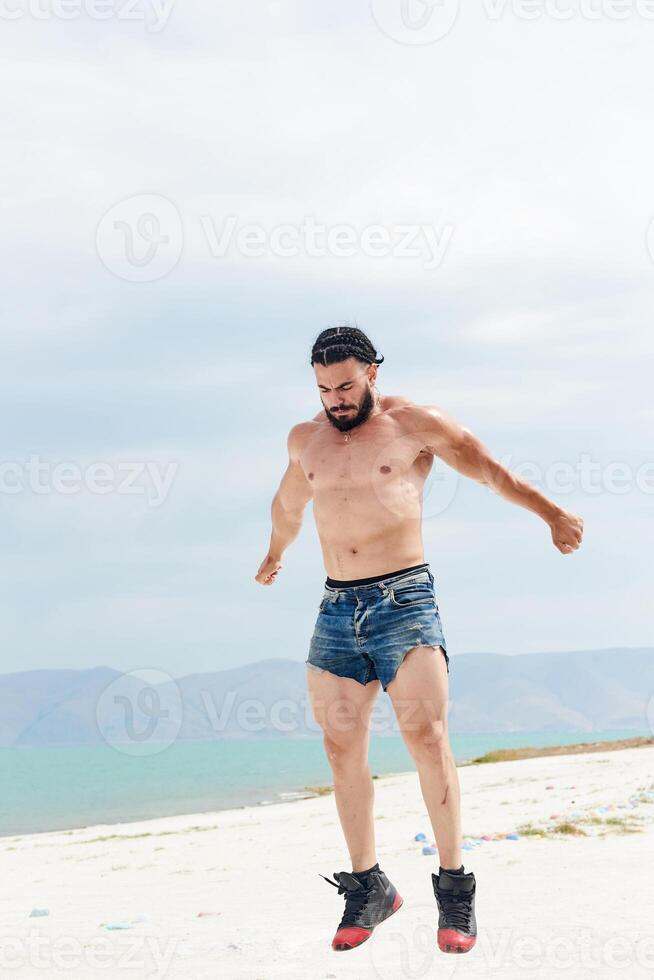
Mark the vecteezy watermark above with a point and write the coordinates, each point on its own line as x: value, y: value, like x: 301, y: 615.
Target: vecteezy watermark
x: 406, y: 948
x: 141, y: 712
x: 154, y: 14
x: 235, y: 715
x: 151, y: 956
x: 315, y: 240
x: 426, y: 21
x: 587, y: 475
x: 141, y: 239
x: 572, y: 953
x: 42, y: 477
x: 416, y: 21
x: 407, y: 457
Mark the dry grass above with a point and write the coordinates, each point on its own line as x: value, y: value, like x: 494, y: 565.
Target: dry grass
x: 506, y: 755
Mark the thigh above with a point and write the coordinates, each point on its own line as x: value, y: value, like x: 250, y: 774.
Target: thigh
x: 341, y: 706
x: 419, y: 692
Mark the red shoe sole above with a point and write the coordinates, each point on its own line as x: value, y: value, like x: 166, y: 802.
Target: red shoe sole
x: 343, y: 947
x: 449, y: 941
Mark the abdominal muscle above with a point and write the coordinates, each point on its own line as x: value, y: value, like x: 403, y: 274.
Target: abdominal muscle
x: 364, y: 533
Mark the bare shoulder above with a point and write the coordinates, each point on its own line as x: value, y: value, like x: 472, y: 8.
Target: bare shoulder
x: 300, y: 434
x: 435, y: 426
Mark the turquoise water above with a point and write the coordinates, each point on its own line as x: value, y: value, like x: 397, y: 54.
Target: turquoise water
x: 62, y: 788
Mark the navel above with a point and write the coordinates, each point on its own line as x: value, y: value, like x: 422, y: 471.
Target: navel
x: 385, y: 469
x: 311, y: 476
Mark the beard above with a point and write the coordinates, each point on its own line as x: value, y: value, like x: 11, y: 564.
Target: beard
x: 345, y: 422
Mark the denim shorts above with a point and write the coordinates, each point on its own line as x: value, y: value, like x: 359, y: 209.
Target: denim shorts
x: 365, y: 631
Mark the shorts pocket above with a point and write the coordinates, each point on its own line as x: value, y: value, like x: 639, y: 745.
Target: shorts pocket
x: 326, y: 602
x: 412, y: 594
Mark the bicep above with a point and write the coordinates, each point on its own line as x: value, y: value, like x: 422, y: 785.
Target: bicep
x: 456, y: 445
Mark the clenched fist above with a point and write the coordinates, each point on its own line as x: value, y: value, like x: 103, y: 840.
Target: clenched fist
x: 567, y: 531
x: 268, y: 570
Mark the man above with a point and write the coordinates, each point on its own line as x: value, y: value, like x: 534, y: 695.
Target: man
x: 364, y: 462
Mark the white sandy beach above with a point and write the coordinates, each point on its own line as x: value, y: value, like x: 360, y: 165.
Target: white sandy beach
x: 561, y: 905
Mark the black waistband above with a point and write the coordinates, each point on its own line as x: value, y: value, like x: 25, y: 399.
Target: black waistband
x: 337, y: 584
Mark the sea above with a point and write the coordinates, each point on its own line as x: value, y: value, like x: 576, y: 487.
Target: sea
x: 52, y: 788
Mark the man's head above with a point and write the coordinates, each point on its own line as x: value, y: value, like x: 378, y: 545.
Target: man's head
x: 345, y: 364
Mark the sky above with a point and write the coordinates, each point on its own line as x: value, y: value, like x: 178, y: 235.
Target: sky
x: 190, y: 195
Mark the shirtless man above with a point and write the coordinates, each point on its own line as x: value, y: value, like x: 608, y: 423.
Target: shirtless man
x: 364, y: 461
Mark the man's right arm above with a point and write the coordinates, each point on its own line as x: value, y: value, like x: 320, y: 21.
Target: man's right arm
x: 287, y: 508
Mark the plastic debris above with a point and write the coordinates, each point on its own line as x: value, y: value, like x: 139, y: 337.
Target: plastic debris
x: 420, y: 837
x: 126, y: 924
x: 513, y: 836
x: 36, y: 912
x: 203, y: 915
x: 429, y: 850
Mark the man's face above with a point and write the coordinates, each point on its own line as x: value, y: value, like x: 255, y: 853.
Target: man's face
x: 346, y: 392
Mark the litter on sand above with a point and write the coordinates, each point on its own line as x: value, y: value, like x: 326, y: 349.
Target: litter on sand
x: 203, y: 915
x: 126, y: 924
x: 470, y: 843
x: 36, y: 912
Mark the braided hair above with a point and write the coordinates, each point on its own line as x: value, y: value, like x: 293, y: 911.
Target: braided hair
x: 336, y: 344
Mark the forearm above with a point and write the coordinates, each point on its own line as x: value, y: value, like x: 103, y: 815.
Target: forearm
x: 286, y: 525
x: 513, y: 488
x: 518, y: 491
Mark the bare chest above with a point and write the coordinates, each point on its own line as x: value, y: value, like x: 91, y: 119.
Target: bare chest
x: 377, y: 456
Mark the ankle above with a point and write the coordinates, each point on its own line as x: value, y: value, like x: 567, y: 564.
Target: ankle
x: 361, y: 869
x: 452, y: 871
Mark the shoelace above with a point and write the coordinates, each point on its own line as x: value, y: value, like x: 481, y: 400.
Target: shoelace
x: 355, y: 902
x: 456, y: 909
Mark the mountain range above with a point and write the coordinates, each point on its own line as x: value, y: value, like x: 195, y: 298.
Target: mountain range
x: 584, y: 690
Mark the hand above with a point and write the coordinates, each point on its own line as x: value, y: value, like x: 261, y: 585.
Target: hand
x: 268, y: 570
x: 567, y: 531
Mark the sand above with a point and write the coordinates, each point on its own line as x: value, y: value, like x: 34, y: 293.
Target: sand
x: 556, y: 905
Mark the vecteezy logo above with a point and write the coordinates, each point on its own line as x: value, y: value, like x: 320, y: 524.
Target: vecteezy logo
x: 140, y: 239
x: 406, y: 948
x: 397, y: 478
x: 415, y: 21
x: 141, y: 712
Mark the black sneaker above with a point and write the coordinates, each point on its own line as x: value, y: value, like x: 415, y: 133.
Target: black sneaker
x: 369, y: 899
x: 455, y: 896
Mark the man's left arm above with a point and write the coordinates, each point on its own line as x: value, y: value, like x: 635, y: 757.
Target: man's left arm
x: 463, y: 451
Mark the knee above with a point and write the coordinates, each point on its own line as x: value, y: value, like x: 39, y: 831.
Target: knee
x: 429, y: 743
x: 343, y: 753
